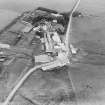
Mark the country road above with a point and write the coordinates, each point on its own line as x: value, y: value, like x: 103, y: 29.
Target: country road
x: 88, y: 74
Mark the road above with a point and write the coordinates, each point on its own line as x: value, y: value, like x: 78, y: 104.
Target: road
x: 88, y: 74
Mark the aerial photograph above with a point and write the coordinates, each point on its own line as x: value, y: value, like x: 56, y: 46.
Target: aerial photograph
x: 52, y: 52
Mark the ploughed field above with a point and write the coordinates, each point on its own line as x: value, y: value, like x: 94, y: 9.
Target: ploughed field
x: 54, y: 87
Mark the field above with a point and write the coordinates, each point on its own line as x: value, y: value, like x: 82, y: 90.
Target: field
x: 88, y: 74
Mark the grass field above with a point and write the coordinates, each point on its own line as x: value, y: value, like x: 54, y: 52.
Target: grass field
x: 88, y: 75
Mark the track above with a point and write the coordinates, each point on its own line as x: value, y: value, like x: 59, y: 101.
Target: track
x: 23, y: 79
